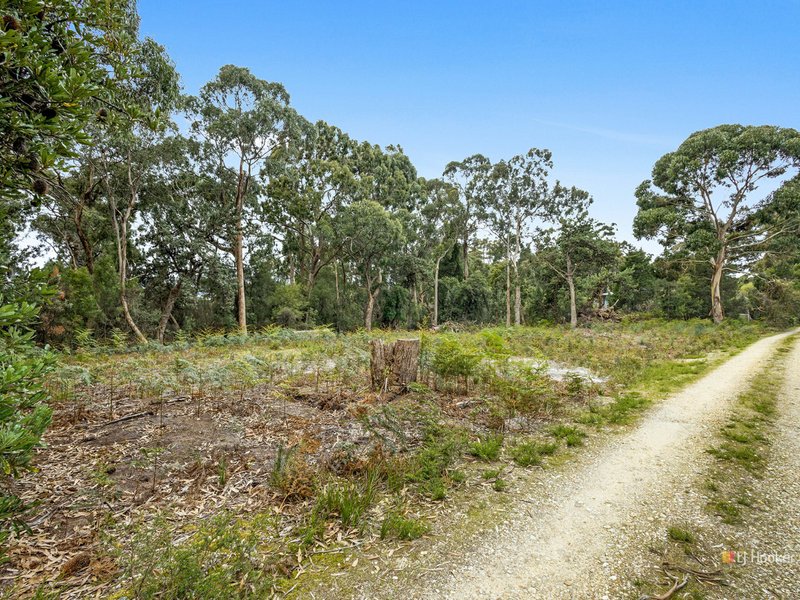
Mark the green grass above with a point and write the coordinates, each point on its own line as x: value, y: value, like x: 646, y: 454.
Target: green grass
x: 348, y: 500
x: 572, y: 436
x: 225, y: 556
x: 487, y: 448
x: 530, y: 453
x: 678, y: 534
x: 397, y: 526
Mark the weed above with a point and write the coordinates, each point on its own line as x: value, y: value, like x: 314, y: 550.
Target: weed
x: 499, y: 485
x: 491, y: 473
x: 572, y: 436
x: 397, y: 526
x: 677, y: 534
x: 225, y: 558
x: 530, y: 453
x: 487, y: 448
x: 729, y: 512
x: 349, y: 500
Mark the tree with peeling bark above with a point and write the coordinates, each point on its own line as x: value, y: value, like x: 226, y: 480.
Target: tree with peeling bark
x: 701, y: 202
x: 371, y: 234
x: 244, y: 123
x: 579, y: 246
x: 125, y: 153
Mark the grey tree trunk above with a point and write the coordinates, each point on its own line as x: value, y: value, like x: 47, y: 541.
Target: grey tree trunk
x: 508, y: 293
x: 435, y: 320
x: 573, y: 308
x: 238, y: 255
x: 717, y: 314
x: 172, y: 297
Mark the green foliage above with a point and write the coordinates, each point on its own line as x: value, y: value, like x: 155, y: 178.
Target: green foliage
x: 452, y: 358
x: 348, y: 500
x: 24, y: 414
x: 226, y: 557
x: 530, y: 453
x: 397, y: 526
x: 487, y: 448
x: 681, y: 535
x: 572, y: 436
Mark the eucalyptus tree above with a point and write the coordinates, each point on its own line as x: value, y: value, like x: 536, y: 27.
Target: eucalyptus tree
x: 386, y: 176
x: 244, y: 123
x: 370, y: 235
x: 309, y: 190
x: 520, y: 193
x: 702, y: 199
x: 441, y: 214
x: 127, y: 148
x: 470, y: 177
x: 175, y: 228
x: 580, y: 246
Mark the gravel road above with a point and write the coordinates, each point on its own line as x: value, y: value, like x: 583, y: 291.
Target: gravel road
x: 574, y: 535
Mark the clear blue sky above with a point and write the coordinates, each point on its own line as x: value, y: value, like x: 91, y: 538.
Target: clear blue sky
x: 607, y: 86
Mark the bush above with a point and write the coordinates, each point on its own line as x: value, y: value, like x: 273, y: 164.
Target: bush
x: 24, y: 414
x: 453, y: 359
x: 487, y: 448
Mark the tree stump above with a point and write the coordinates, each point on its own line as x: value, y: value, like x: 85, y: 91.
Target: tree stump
x: 394, y: 364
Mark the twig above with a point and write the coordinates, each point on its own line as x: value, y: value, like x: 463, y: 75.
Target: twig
x: 677, y: 586
x: 147, y: 413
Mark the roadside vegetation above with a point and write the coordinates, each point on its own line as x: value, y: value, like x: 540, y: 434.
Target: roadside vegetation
x: 245, y: 459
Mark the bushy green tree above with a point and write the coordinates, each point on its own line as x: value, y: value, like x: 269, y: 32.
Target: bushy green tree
x: 702, y: 205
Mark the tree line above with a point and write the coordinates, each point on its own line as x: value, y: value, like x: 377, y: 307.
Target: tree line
x: 161, y: 212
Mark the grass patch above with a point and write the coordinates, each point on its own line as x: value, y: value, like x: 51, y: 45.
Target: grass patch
x: 678, y: 534
x: 396, y: 526
x: 226, y: 557
x: 530, y: 453
x: 348, y: 500
x: 572, y: 436
x: 487, y: 448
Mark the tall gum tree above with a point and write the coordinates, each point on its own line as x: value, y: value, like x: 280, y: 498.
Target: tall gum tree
x: 581, y: 245
x: 470, y: 177
x: 520, y: 193
x: 308, y: 192
x: 371, y: 234
x: 702, y: 197
x: 244, y: 122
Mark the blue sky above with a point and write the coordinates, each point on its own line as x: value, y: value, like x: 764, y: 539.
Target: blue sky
x: 607, y: 86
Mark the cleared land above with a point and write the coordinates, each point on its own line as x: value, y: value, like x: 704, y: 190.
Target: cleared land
x: 256, y: 467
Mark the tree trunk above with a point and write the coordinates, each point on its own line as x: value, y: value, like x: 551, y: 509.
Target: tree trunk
x: 238, y: 256
x: 370, y: 307
x: 517, y: 290
x: 573, y: 308
x: 517, y: 297
x: 717, y: 313
x: 435, y: 320
x: 508, y: 293
x: 172, y: 297
x: 120, y: 222
x: 394, y: 365
x: 465, y: 250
